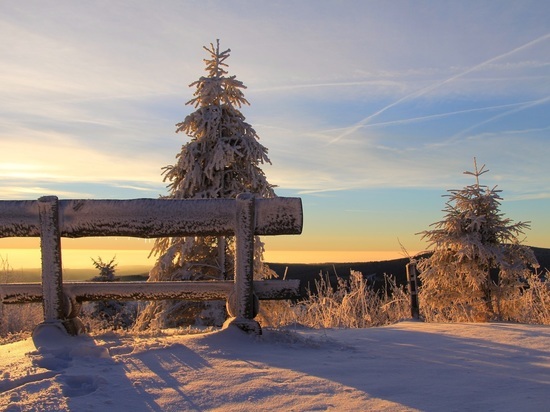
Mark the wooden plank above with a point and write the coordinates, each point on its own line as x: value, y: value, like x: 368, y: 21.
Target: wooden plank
x: 16, y: 293
x: 19, y: 218
x: 147, y: 218
x: 279, y: 216
x: 243, y: 217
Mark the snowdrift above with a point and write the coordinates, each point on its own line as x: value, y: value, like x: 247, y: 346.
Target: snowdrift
x: 405, y: 367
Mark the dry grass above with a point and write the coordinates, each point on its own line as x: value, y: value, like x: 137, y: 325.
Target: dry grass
x: 352, y: 304
x: 16, y: 321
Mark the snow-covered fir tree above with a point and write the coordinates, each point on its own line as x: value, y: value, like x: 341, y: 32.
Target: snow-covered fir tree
x: 477, y: 258
x: 221, y: 160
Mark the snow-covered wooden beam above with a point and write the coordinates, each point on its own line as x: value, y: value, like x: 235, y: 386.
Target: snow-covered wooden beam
x: 15, y: 293
x: 151, y: 218
x: 19, y: 218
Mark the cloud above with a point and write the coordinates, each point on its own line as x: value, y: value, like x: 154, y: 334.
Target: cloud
x: 14, y: 192
x: 528, y: 196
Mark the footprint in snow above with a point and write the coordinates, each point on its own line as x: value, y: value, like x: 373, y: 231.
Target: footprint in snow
x: 80, y: 385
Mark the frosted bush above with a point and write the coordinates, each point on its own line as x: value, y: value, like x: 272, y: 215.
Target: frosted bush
x: 18, y: 321
x: 530, y: 303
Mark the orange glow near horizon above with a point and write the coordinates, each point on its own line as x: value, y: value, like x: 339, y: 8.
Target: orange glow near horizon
x: 29, y: 258
x: 24, y: 253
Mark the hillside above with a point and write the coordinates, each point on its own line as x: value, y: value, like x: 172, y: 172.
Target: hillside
x: 306, y: 272
x: 374, y: 271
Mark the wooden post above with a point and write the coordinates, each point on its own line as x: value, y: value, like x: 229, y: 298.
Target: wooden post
x: 221, y: 257
x: 413, y: 289
x: 50, y: 246
x: 243, y: 305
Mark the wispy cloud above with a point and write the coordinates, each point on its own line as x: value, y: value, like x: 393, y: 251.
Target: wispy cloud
x: 26, y: 192
x: 527, y: 196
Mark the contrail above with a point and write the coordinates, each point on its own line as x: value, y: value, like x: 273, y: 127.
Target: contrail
x: 419, y: 118
x: 448, y: 114
x: 498, y: 116
x: 291, y: 87
x: 437, y: 116
x: 436, y: 85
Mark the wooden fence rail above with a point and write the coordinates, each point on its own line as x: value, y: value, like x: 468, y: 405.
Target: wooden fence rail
x: 244, y: 217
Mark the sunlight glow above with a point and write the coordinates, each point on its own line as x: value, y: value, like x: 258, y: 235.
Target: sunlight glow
x: 22, y: 259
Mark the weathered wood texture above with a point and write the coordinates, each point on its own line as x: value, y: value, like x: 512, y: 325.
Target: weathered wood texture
x: 19, y: 218
x: 151, y: 218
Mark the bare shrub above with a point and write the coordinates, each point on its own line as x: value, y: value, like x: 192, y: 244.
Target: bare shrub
x: 16, y: 321
x: 352, y: 304
x: 6, y: 271
x: 277, y: 313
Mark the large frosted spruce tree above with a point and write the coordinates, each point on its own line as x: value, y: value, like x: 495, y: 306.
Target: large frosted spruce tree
x: 477, y: 261
x: 221, y: 160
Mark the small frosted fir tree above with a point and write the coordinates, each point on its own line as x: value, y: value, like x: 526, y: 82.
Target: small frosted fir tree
x: 221, y: 160
x: 477, y: 258
x: 111, y: 313
x: 106, y: 270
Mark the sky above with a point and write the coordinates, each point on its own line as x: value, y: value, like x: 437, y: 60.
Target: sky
x: 371, y: 110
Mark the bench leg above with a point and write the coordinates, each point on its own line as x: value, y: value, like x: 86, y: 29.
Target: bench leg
x: 244, y: 307
x: 55, y: 307
x: 50, y: 246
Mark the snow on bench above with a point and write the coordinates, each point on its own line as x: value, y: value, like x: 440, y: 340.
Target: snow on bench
x: 244, y: 217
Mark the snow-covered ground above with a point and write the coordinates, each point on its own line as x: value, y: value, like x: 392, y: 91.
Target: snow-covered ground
x: 404, y: 367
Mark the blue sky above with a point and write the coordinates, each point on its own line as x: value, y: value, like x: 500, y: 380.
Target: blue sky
x: 371, y: 110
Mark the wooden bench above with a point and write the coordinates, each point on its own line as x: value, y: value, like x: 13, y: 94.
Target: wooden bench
x: 244, y: 217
